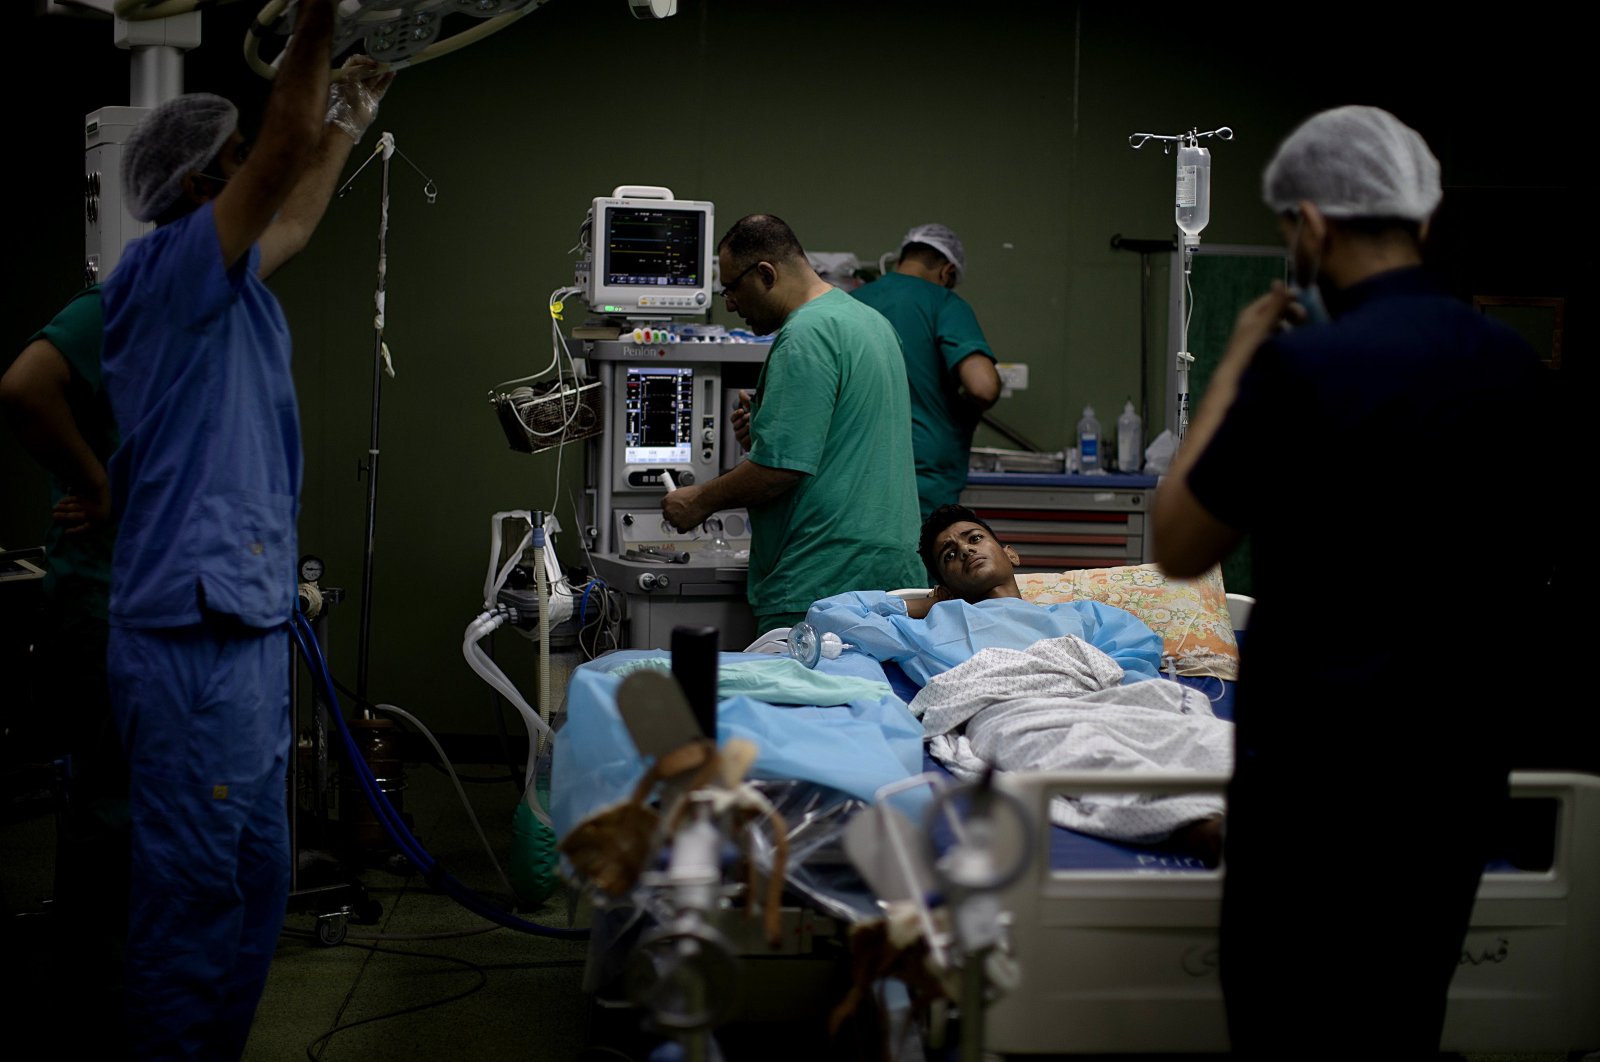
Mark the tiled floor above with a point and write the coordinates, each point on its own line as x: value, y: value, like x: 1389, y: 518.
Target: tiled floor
x: 478, y: 991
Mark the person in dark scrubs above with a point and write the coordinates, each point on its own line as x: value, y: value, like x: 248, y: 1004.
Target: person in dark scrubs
x: 1354, y: 432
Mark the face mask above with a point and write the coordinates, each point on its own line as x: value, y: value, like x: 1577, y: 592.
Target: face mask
x: 1310, y: 300
x: 1309, y: 294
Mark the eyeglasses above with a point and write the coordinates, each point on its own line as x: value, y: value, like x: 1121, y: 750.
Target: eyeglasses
x: 729, y: 288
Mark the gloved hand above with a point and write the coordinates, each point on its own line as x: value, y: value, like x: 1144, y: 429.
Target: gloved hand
x: 353, y: 99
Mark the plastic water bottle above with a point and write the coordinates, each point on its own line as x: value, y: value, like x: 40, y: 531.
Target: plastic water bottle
x: 1130, y: 440
x: 1194, y: 189
x: 1088, y: 442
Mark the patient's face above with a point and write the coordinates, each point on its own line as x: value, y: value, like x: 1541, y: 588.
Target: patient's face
x: 972, y: 564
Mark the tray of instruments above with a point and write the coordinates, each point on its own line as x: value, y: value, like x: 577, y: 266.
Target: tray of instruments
x: 994, y: 459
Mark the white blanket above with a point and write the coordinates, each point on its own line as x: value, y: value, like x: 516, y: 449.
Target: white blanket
x: 1061, y: 705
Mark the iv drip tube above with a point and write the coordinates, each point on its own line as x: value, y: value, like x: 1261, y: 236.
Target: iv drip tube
x: 389, y: 818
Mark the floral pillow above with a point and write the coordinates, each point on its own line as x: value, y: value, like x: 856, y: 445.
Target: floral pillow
x: 1191, y: 615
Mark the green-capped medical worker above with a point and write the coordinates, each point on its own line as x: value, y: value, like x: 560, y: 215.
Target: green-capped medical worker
x: 829, y: 481
x: 205, y: 490
x: 948, y: 362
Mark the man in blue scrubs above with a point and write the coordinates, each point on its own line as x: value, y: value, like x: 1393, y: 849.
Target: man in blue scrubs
x: 948, y: 361
x: 205, y: 488
x: 1356, y: 448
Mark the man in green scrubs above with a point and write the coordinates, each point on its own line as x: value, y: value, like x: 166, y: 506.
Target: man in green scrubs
x: 54, y: 399
x: 948, y: 362
x: 829, y: 482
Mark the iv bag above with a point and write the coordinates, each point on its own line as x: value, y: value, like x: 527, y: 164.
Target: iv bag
x: 1194, y: 188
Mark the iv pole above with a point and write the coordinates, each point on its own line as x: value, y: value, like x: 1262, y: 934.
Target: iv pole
x: 1189, y: 241
x: 381, y: 363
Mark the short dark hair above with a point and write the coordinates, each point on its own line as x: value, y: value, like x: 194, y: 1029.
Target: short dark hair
x: 761, y: 238
x: 935, y: 524
x: 922, y: 252
x: 1373, y: 228
x: 1381, y: 228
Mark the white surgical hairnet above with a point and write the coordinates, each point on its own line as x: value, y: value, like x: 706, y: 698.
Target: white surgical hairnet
x: 180, y: 136
x: 1354, y: 162
x: 941, y: 239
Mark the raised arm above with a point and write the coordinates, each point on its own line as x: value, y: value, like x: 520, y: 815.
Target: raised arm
x: 290, y: 134
x: 1187, y: 538
x: 354, y: 106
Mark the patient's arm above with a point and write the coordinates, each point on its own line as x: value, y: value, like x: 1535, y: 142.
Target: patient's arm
x: 919, y: 607
x: 870, y: 620
x: 1122, y: 636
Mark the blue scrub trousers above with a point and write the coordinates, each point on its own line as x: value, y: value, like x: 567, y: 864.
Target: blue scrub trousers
x: 204, y: 716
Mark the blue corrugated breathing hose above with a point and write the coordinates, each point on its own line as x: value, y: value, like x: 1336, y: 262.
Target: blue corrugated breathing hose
x: 404, y: 840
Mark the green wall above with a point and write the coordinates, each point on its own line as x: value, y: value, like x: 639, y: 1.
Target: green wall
x: 1007, y: 121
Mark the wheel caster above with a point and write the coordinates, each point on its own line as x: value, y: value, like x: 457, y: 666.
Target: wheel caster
x: 332, y: 927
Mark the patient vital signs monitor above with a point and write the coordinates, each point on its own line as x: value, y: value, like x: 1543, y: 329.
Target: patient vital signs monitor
x: 650, y: 255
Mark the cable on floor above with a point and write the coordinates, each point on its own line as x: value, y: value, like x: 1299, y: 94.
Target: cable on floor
x: 316, y: 1045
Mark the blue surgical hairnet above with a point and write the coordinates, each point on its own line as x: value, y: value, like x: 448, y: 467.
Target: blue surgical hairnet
x: 1354, y: 162
x: 179, y: 137
x: 941, y: 239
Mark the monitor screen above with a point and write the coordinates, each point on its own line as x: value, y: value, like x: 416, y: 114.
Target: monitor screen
x: 654, y: 246
x: 660, y: 412
x: 650, y: 258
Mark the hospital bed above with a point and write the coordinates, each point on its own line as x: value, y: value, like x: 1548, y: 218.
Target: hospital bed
x: 1117, y: 944
x: 1120, y: 960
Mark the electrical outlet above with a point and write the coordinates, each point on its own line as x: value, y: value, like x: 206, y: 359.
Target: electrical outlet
x: 1013, y: 377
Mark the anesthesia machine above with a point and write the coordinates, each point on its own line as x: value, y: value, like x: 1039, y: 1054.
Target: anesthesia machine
x: 664, y: 385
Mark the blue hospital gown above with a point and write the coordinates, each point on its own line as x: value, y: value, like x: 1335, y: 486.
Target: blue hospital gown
x: 877, y: 624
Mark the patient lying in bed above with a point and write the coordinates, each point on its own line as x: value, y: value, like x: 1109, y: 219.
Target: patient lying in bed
x: 1030, y: 687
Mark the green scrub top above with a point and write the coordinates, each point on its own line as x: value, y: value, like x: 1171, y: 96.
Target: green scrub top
x: 78, y: 566
x: 937, y: 330
x: 832, y: 403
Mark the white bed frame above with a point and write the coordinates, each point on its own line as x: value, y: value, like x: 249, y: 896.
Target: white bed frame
x: 1126, y: 961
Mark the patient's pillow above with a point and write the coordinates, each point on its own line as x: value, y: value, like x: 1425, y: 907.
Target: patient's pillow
x: 1191, y: 615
